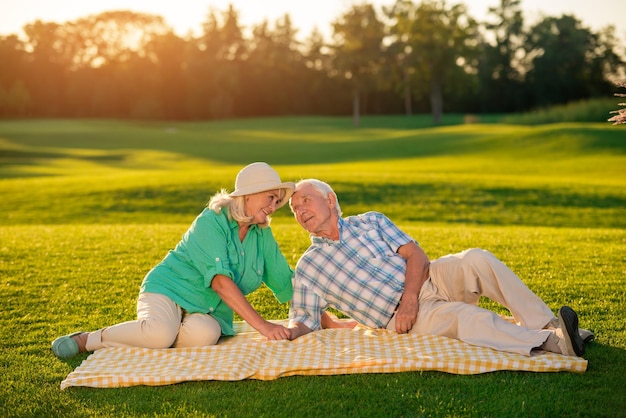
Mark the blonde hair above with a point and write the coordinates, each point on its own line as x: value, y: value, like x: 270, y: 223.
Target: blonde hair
x: 236, y: 206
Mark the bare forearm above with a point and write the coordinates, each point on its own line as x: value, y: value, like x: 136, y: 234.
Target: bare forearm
x: 331, y: 321
x: 230, y: 293
x: 417, y: 272
x: 297, y: 330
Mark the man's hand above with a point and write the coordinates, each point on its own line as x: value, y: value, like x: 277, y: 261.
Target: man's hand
x: 406, y: 314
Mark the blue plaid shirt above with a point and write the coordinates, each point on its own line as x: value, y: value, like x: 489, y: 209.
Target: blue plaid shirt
x: 361, y: 274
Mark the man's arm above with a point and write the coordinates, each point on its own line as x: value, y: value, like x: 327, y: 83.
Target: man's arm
x: 298, y: 329
x: 331, y: 321
x: 417, y: 272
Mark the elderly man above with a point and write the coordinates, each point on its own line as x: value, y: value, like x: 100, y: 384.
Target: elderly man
x: 369, y: 269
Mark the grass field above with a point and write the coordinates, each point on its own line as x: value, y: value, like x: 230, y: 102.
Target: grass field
x: 89, y: 206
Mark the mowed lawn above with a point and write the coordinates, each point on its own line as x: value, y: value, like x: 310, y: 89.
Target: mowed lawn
x: 87, y: 207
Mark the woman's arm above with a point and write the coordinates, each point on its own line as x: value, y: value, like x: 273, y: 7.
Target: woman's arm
x: 230, y: 293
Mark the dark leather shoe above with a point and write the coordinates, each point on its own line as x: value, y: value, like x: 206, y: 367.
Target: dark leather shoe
x: 569, y: 326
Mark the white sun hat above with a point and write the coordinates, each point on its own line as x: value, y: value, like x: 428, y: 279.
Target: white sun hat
x: 260, y: 177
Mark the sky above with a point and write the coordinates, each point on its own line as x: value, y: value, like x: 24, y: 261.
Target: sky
x: 186, y: 16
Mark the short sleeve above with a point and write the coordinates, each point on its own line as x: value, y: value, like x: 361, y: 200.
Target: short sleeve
x: 390, y: 232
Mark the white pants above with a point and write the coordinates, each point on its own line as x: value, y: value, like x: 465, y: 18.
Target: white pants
x: 160, y: 323
x: 449, y: 298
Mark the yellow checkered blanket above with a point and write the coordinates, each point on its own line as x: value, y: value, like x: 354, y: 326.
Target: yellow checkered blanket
x: 248, y: 355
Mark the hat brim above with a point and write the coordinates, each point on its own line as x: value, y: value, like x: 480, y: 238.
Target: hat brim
x: 289, y: 187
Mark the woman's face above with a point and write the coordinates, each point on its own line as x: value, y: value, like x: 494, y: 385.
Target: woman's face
x: 261, y: 205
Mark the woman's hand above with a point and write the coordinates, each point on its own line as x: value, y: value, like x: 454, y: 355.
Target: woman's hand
x: 230, y: 293
x: 274, y: 331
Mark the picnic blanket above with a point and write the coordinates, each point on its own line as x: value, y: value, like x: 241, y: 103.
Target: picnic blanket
x: 249, y: 355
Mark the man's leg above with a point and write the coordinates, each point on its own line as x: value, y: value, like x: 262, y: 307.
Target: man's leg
x: 473, y: 325
x: 466, y: 276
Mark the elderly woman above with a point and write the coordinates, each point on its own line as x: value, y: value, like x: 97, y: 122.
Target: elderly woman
x: 188, y: 299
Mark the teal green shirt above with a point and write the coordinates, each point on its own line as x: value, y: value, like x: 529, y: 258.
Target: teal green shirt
x: 211, y: 246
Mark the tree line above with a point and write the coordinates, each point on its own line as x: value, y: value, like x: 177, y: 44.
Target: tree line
x: 408, y: 57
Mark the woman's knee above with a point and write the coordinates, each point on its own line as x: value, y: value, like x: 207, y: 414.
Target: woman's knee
x: 158, y: 334
x: 198, y: 330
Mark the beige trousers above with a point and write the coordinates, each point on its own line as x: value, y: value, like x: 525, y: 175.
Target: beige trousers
x: 449, y: 298
x: 160, y: 323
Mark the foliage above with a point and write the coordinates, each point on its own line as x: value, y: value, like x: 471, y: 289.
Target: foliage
x: 89, y: 206
x: 593, y: 110
x: 431, y: 38
x: 359, y: 38
x: 620, y: 116
x: 569, y: 62
x: 498, y: 68
x: 417, y: 56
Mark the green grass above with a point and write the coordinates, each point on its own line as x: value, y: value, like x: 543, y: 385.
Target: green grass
x: 87, y: 207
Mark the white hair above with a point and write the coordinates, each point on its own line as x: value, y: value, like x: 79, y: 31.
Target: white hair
x: 324, y: 190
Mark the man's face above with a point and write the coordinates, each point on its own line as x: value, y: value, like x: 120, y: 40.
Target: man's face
x: 314, y: 212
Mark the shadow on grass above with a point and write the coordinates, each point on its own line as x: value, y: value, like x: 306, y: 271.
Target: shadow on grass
x: 292, y: 141
x: 424, y: 202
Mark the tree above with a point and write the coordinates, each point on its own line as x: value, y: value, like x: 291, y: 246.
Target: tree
x: 112, y: 48
x: 14, y: 60
x: 169, y: 54
x: 326, y: 92
x: 274, y: 70
x: 434, y: 40
x: 567, y: 61
x: 214, y: 67
x: 358, y: 47
x: 499, y: 68
x: 15, y: 101
x: 46, y: 74
x: 96, y: 65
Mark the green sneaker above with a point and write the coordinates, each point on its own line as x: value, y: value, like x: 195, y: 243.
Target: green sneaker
x: 66, y: 347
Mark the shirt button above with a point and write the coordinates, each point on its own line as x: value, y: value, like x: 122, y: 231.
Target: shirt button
x: 242, y: 253
x: 217, y: 259
x: 259, y: 271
